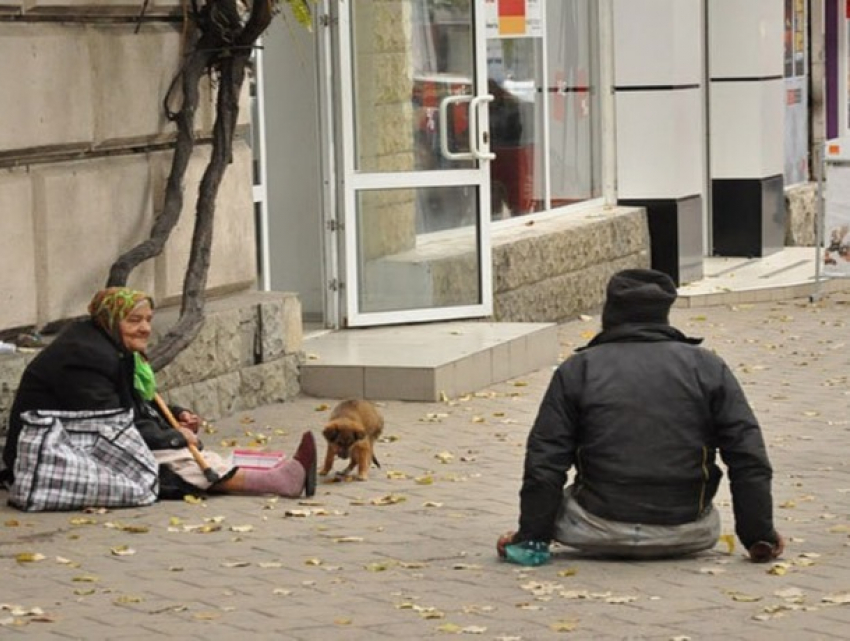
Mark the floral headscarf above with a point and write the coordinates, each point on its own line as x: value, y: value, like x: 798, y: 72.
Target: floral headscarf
x: 108, y: 308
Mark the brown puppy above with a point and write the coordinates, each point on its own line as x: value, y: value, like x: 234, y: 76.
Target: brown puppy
x: 351, y: 432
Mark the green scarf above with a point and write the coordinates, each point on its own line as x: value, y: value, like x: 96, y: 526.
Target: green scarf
x: 143, y: 378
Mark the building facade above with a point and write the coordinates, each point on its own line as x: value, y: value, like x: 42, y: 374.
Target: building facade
x: 418, y: 160
x: 443, y: 131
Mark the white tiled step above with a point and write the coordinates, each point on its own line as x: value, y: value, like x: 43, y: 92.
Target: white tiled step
x: 790, y: 273
x: 424, y: 362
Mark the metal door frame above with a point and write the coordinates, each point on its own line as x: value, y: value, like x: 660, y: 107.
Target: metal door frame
x: 342, y: 182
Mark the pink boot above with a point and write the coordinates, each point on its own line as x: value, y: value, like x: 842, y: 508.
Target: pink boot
x: 306, y: 455
x: 285, y: 479
x: 289, y: 478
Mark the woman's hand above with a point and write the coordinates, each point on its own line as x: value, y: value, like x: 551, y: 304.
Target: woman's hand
x: 189, y: 435
x: 189, y: 420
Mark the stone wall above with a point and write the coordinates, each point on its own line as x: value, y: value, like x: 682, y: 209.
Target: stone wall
x: 248, y: 354
x: 85, y: 151
x: 550, y: 270
x: 801, y: 205
x: 556, y: 269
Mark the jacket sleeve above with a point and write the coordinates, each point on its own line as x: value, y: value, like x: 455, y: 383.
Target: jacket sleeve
x: 550, y: 452
x: 743, y: 451
x: 155, y: 431
x: 88, y: 383
x: 157, y: 437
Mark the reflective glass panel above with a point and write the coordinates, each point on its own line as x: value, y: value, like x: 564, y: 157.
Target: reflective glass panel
x: 417, y: 248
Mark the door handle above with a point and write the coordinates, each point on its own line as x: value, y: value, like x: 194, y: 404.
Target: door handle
x: 448, y: 154
x: 479, y: 143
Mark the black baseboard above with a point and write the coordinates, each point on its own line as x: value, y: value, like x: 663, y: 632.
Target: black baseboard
x: 676, y: 235
x: 748, y: 216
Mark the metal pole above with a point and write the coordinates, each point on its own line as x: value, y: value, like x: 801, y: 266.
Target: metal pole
x: 607, y: 99
x: 820, y: 215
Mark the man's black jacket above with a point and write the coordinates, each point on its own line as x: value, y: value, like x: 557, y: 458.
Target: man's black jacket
x: 641, y: 413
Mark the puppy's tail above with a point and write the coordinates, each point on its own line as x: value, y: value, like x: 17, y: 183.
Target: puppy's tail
x: 375, y: 461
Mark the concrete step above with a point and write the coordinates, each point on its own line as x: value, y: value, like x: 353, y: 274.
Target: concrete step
x: 424, y: 362
x: 787, y: 274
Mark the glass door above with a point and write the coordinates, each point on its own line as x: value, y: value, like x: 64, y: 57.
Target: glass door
x: 413, y: 156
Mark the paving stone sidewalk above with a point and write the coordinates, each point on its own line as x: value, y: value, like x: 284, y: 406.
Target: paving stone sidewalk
x: 409, y: 554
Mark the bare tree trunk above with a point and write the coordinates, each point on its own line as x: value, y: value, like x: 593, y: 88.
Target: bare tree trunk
x: 224, y: 45
x: 195, y: 67
x: 232, y: 77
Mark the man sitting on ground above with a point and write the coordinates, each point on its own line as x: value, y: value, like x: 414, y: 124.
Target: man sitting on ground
x: 640, y: 413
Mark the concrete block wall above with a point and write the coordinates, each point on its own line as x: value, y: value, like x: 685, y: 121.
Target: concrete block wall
x: 801, y: 207
x: 85, y: 152
x: 550, y: 271
x: 558, y: 268
x: 248, y: 354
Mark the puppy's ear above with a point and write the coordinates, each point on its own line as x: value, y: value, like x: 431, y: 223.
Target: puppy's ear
x: 331, y: 433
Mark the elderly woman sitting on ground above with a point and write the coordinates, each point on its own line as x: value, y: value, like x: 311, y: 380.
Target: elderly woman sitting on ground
x: 100, y: 364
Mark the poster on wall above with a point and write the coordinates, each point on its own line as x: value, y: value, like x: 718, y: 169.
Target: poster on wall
x: 513, y: 18
x: 789, y: 38
x: 799, y: 38
x: 836, y: 225
x: 796, y: 169
x: 795, y: 38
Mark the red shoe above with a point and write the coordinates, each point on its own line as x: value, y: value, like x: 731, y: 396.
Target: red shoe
x: 306, y: 455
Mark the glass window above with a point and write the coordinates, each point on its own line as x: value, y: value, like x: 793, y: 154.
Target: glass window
x: 545, y: 116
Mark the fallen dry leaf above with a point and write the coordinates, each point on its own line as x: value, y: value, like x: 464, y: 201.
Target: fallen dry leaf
x: 564, y: 626
x: 729, y: 540
x: 127, y: 599
x: 206, y: 616
x: 122, y: 550
x: 389, y: 499
x: 743, y: 598
x: 842, y: 598
x: 620, y: 600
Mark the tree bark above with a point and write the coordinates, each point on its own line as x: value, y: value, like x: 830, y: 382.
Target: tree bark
x: 232, y: 77
x: 224, y: 46
x: 190, y: 76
